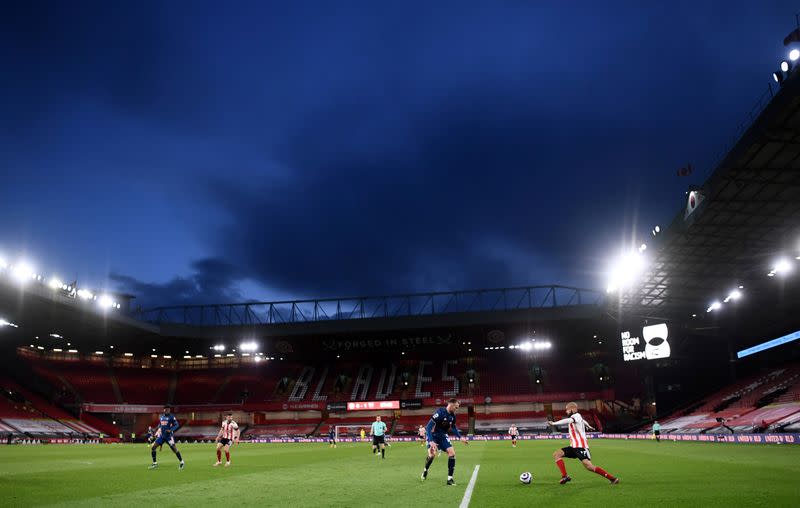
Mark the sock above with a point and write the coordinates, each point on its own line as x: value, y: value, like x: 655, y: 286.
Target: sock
x: 561, y: 467
x: 228, y: 456
x: 179, y: 456
x: 219, y: 455
x: 451, y: 466
x: 428, y: 462
x: 383, y: 453
x: 153, y: 453
x: 373, y: 451
x: 602, y: 472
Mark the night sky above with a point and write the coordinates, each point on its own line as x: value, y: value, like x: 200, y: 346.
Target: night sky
x: 225, y: 151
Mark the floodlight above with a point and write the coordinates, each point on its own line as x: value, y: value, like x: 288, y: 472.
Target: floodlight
x: 782, y: 266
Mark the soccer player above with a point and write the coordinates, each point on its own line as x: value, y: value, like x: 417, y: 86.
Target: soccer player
x: 378, y: 433
x: 363, y: 434
x: 514, y: 433
x: 167, y: 425
x: 332, y: 436
x: 422, y: 435
x: 151, y: 435
x: 228, y: 434
x: 579, y: 446
x: 443, y: 420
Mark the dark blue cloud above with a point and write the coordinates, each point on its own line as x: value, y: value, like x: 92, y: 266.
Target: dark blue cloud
x: 315, y: 149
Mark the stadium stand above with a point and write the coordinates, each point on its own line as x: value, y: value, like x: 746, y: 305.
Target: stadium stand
x: 28, y: 413
x: 143, y: 386
x: 765, y: 401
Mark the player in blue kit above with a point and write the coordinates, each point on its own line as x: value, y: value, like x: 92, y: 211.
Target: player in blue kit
x: 167, y: 425
x: 442, y: 421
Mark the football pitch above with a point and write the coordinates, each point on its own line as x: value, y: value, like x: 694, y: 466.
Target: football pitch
x: 288, y: 475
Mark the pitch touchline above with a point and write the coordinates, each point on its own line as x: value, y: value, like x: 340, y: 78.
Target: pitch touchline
x: 468, y: 492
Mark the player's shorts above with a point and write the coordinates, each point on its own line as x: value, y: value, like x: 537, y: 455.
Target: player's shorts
x: 657, y: 432
x: 576, y: 453
x: 441, y: 441
x: 160, y: 440
x: 377, y: 440
x: 225, y: 441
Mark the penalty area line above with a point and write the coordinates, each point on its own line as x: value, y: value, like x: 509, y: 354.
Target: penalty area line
x: 470, y: 487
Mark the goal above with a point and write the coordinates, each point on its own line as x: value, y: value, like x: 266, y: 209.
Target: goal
x: 351, y: 431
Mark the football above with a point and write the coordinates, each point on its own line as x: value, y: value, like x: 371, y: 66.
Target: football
x: 525, y: 477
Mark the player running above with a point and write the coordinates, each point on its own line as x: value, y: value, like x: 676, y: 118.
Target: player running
x: 167, y: 425
x: 228, y: 434
x: 332, y: 436
x: 422, y: 435
x: 579, y: 446
x: 378, y: 433
x: 151, y: 435
x: 514, y: 433
x: 443, y: 420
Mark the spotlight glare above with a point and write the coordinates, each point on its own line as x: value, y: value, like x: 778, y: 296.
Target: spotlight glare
x: 783, y: 266
x: 105, y: 302
x: 625, y: 271
x: 248, y: 346
x: 785, y: 66
x: 3, y: 322
x: 794, y: 55
x: 22, y: 272
x: 714, y: 306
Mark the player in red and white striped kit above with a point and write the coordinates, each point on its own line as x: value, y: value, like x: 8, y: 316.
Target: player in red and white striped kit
x: 514, y: 433
x: 228, y: 434
x: 579, y: 446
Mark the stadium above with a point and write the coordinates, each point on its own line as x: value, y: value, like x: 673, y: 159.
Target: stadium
x: 697, y: 329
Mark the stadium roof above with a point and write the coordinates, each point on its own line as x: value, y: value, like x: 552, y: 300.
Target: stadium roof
x: 362, y: 314
x: 734, y: 227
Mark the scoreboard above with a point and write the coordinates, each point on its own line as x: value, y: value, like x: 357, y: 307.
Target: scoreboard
x: 373, y: 405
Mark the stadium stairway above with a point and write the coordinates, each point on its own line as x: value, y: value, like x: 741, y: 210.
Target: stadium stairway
x: 221, y: 389
x: 173, y: 387
x: 115, y: 385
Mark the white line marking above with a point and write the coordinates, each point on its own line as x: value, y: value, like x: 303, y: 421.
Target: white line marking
x: 468, y: 492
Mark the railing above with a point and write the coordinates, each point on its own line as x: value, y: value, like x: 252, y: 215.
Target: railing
x: 338, y: 309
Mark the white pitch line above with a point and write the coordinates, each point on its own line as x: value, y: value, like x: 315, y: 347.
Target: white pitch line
x: 470, y: 487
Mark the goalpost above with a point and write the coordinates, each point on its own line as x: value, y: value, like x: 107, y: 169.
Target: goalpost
x: 351, y: 431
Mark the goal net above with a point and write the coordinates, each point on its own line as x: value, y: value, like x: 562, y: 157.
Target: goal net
x: 350, y: 431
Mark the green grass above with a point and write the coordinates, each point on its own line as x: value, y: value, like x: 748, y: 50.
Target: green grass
x: 290, y: 475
